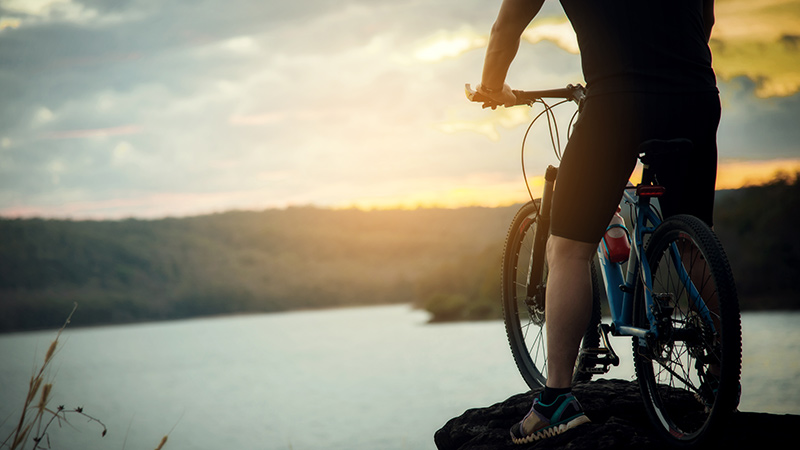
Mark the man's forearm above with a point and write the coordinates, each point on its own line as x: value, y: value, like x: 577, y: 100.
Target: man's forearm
x: 504, y: 39
x: 499, y: 55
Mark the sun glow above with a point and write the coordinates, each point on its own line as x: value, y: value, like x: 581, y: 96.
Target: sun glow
x: 488, y: 123
x: 497, y: 193
x: 450, y: 44
x: 560, y: 33
x: 445, y: 44
x: 737, y: 174
x: 487, y: 193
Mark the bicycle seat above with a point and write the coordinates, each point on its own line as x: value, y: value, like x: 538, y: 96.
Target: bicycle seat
x: 655, y: 150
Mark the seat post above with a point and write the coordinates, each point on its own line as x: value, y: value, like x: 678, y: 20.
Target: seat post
x: 655, y: 151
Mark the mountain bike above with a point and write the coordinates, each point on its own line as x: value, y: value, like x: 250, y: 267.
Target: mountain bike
x: 674, y: 296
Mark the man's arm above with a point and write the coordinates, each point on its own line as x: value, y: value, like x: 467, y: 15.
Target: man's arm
x: 513, y: 18
x: 708, y: 17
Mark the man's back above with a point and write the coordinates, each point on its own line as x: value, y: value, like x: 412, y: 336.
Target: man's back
x: 643, y: 46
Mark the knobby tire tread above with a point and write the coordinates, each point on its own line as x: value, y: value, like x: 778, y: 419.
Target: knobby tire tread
x: 533, y: 374
x: 729, y: 316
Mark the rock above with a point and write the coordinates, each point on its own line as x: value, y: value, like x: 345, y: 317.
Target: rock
x: 619, y: 421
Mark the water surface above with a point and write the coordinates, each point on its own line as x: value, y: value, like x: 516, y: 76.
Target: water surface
x: 358, y: 378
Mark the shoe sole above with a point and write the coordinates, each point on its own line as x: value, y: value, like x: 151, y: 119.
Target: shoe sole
x: 551, y: 431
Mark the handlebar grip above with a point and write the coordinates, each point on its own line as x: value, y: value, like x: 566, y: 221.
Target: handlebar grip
x: 475, y: 96
x: 574, y: 93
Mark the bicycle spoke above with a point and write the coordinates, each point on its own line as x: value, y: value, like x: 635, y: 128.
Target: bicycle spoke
x: 681, y: 370
x: 683, y: 377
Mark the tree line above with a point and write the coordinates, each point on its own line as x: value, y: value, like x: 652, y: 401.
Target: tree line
x: 756, y: 226
x: 234, y: 262
x: 444, y: 260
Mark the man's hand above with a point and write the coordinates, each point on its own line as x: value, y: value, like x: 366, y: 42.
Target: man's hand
x: 503, y: 96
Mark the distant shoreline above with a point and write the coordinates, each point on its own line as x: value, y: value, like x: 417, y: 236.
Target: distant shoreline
x: 75, y: 325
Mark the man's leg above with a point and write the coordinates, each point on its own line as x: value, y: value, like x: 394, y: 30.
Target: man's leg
x: 568, y: 307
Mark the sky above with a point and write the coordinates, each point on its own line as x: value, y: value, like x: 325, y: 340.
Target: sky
x: 150, y: 108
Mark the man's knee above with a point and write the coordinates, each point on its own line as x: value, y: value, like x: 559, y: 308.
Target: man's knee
x: 559, y: 248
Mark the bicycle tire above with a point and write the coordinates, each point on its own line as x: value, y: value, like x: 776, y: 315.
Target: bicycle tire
x: 689, y: 376
x: 524, y: 322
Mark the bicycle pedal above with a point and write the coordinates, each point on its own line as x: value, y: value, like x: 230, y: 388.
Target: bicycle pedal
x: 591, y: 358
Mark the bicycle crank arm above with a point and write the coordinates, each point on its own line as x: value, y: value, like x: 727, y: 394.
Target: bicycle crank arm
x: 605, y: 356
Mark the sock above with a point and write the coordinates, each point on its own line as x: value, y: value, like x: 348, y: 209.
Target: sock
x: 549, y: 395
x: 547, y: 405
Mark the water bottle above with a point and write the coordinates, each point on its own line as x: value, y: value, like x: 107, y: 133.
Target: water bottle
x: 616, y: 246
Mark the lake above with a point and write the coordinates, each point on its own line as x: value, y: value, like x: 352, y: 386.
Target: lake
x: 354, y: 378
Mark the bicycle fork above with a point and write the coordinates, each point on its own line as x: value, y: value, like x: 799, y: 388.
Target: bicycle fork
x: 535, y: 295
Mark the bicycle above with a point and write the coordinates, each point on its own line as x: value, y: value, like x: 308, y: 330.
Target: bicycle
x: 674, y: 296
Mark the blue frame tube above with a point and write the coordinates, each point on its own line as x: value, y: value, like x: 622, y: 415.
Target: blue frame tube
x: 619, y: 287
x: 694, y: 294
x: 612, y: 275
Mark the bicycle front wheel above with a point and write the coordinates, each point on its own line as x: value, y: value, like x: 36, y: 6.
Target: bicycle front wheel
x: 688, y: 374
x: 524, y: 314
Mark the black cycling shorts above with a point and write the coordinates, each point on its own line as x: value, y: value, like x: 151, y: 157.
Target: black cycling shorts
x: 603, y: 150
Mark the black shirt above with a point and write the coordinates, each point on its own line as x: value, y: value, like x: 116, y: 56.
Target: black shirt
x: 656, y: 46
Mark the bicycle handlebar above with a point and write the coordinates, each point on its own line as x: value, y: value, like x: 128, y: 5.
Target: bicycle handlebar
x: 575, y: 93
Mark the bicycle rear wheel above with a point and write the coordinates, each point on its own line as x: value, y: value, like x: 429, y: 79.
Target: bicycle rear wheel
x: 689, y: 374
x: 524, y: 316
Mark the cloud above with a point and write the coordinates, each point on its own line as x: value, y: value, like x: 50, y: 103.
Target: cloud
x: 757, y: 128
x: 487, y: 123
x: 9, y: 22
x: 446, y: 44
x: 759, y: 40
x: 95, y: 133
x: 558, y: 31
x: 450, y: 44
x: 773, y: 66
x: 142, y: 107
x: 47, y: 10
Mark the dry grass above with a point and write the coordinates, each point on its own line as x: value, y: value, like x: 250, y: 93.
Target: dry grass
x: 36, y: 417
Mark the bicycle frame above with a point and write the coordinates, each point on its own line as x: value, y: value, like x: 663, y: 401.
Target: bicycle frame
x: 620, y: 287
x: 677, y: 342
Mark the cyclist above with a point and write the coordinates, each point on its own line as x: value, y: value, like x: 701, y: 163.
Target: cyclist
x: 647, y: 67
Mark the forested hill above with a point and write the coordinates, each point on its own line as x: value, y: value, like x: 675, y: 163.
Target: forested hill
x: 759, y: 228
x: 276, y: 260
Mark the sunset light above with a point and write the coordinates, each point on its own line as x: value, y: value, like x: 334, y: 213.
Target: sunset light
x: 449, y: 45
x: 737, y: 174
x: 477, y: 192
x: 492, y: 193
x: 759, y: 40
x: 140, y: 110
x: 560, y: 33
x: 283, y: 225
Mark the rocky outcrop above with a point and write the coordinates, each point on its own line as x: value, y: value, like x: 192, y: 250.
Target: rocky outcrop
x: 619, y: 421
